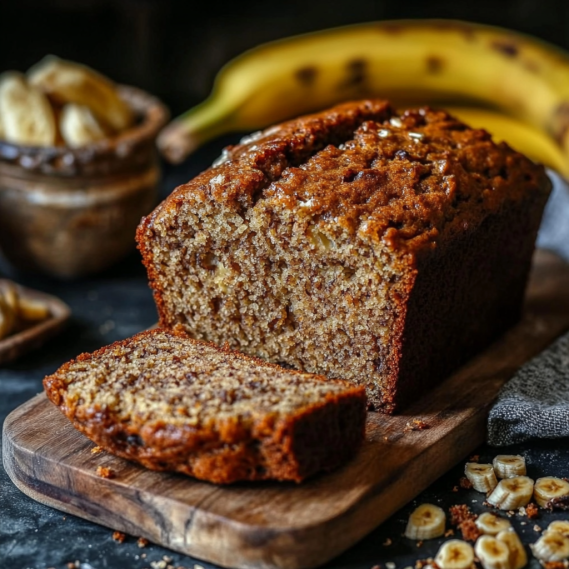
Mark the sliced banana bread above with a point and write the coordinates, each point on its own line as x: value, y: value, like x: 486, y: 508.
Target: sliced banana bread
x: 173, y: 403
x: 378, y: 246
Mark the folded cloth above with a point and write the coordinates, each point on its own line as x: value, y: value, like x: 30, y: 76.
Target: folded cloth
x: 535, y: 402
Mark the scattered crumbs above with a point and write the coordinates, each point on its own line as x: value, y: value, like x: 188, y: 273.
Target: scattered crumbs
x: 465, y: 483
x: 459, y: 513
x: 469, y: 530
x: 510, y: 513
x: 422, y: 563
x: 409, y: 567
x: 376, y: 567
x: 475, y: 501
x: 387, y: 542
x: 137, y: 557
x: 105, y: 472
x: 449, y: 532
x: 196, y: 566
x: 167, y: 559
x: 390, y: 565
x: 142, y: 542
x: 119, y: 536
x: 474, y: 458
x: 96, y: 450
x: 64, y: 518
x: 420, y: 543
x: 536, y: 528
x: 532, y: 511
x: 522, y: 511
x: 455, y: 488
x: 143, y: 556
x: 487, y: 504
x: 523, y: 523
x: 416, y: 425
x: 158, y: 564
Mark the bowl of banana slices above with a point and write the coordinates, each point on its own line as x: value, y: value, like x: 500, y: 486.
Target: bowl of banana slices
x: 78, y: 167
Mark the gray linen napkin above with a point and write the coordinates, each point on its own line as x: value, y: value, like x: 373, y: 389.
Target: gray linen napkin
x: 535, y: 402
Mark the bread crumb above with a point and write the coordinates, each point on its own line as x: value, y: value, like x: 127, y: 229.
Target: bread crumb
x: 460, y: 513
x: 387, y: 542
x: 465, y: 483
x: 420, y: 543
x: 142, y: 542
x: 416, y: 425
x: 119, y: 536
x: 532, y: 511
x: 96, y: 450
x: 470, y: 531
x: 536, y: 528
x: 105, y: 472
x: 390, y: 565
x: 449, y: 532
x: 455, y: 488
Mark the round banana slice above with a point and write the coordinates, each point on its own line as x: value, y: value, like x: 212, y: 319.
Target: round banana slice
x: 68, y: 82
x: 25, y: 112
x: 79, y: 126
x: 490, y: 524
x: 509, y: 466
x: 455, y: 554
x: 560, y: 526
x: 518, y: 555
x: 426, y: 522
x: 492, y: 553
x: 549, y: 487
x: 512, y: 493
x: 481, y: 476
x: 551, y: 546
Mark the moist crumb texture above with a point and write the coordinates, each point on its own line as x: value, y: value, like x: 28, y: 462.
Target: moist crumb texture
x: 378, y: 246
x: 173, y: 403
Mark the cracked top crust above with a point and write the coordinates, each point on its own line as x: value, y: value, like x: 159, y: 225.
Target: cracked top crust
x: 400, y: 177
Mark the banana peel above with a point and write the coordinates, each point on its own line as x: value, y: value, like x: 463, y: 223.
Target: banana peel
x: 513, y: 85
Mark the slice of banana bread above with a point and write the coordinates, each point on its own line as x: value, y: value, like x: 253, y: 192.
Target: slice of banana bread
x: 379, y: 246
x: 173, y: 403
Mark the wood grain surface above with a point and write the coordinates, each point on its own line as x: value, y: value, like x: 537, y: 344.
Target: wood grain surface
x: 271, y: 525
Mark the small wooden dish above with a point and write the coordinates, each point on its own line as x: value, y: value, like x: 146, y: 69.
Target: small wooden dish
x: 17, y: 344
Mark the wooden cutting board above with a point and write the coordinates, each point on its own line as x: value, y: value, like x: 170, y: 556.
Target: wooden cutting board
x: 271, y: 525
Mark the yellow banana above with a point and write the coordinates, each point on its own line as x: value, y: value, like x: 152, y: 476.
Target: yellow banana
x: 409, y: 62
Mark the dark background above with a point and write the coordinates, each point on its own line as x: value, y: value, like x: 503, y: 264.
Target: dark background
x: 174, y: 48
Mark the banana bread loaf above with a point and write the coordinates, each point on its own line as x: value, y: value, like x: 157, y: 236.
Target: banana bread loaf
x: 173, y: 403
x: 378, y: 246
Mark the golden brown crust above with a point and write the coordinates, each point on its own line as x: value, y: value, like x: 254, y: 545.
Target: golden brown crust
x: 315, y: 437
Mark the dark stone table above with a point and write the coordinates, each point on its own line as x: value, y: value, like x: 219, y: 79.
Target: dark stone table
x: 116, y: 305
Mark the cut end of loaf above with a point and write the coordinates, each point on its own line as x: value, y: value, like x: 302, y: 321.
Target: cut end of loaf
x: 314, y: 244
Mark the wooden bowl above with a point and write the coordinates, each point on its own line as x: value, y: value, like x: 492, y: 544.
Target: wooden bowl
x: 15, y: 345
x: 69, y: 212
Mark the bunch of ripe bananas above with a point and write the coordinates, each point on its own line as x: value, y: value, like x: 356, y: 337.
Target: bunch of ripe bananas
x: 514, y: 86
x: 60, y: 102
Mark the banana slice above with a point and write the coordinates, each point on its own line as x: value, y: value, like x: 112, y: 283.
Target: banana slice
x: 518, y: 555
x: 481, y: 476
x: 426, y: 522
x: 509, y: 466
x: 492, y: 553
x: 68, y: 82
x: 560, y: 526
x: 551, y: 546
x: 79, y: 126
x: 455, y: 554
x: 32, y: 309
x: 490, y: 524
x: 512, y: 493
x: 25, y: 112
x: 549, y: 487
